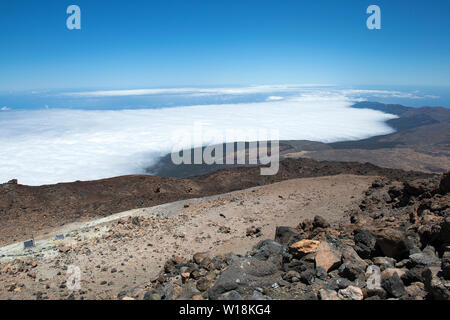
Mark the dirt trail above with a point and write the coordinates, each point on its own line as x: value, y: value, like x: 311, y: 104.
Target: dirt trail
x: 128, y: 249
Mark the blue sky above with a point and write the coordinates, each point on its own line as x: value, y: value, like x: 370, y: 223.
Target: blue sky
x: 138, y: 44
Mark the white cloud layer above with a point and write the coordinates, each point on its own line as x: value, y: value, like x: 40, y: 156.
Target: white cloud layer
x: 387, y: 94
x: 274, y: 98
x: 60, y: 145
x: 195, y: 91
x: 261, y: 89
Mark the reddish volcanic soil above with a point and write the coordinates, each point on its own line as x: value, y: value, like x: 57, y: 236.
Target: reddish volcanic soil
x: 27, y: 211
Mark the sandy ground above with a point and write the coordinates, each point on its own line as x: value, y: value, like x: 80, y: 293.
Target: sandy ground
x: 123, y: 252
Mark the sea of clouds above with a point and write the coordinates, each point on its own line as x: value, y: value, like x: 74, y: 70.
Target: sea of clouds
x: 61, y: 145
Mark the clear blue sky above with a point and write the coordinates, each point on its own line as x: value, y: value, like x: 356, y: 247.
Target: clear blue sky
x: 136, y: 44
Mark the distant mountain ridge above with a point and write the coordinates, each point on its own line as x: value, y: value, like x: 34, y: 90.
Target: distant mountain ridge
x: 408, y: 122
x: 396, y: 109
x: 421, y: 142
x: 408, y: 117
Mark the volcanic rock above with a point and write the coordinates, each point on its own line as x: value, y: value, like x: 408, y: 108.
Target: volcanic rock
x: 327, y: 257
x: 365, y: 243
x: 392, y: 243
x: 438, y: 287
x: 320, y: 222
x: 444, y: 185
x: 304, y: 247
x: 351, y: 272
x: 351, y: 293
x: 394, y: 285
x: 244, y: 274
x: 327, y: 294
x: 286, y: 235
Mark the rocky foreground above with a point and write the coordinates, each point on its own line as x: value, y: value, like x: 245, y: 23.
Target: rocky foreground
x: 122, y: 253
x: 333, y: 237
x: 396, y: 246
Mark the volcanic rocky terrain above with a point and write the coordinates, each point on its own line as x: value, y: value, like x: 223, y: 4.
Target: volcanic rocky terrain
x: 318, y: 229
x: 376, y: 234
x: 27, y: 211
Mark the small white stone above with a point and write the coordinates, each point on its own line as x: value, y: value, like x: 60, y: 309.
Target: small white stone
x: 351, y: 293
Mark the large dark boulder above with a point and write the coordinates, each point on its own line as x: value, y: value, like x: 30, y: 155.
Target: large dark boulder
x: 435, y: 284
x: 286, y: 235
x: 351, y: 272
x: 435, y: 232
x: 444, y: 185
x: 365, y: 243
x: 392, y: 243
x: 244, y: 275
x: 307, y: 277
x: 418, y: 187
x: 394, y: 286
x: 412, y: 275
x: 270, y: 251
x: 424, y: 259
x: 445, y: 266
